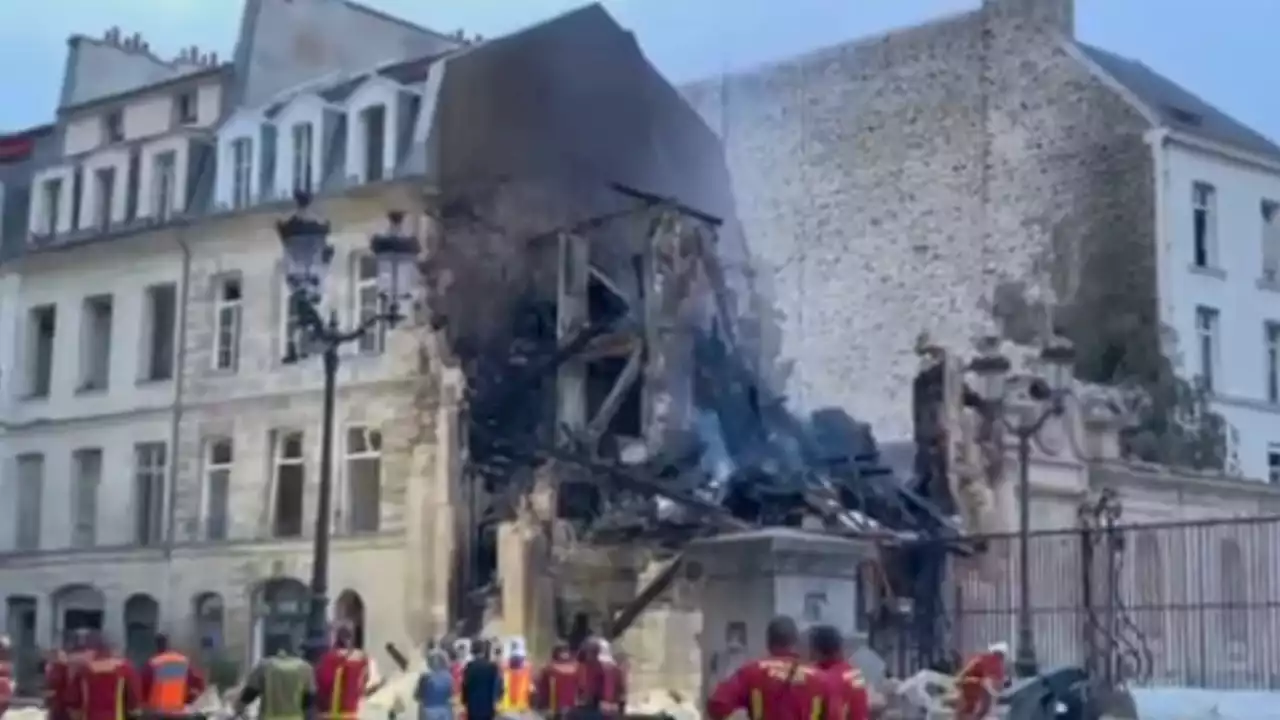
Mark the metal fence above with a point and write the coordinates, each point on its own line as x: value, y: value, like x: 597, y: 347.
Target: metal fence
x: 1188, y: 604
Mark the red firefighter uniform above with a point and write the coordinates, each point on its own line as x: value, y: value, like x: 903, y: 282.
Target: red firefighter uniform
x: 850, y: 691
x: 105, y: 688
x: 169, y: 683
x: 979, y: 681
x: 777, y: 687
x: 6, y: 676
x: 55, y: 680
x: 459, y: 710
x: 601, y: 686
x: 341, y: 678
x: 557, y: 688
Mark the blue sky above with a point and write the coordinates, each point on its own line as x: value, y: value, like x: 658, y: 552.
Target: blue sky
x: 1225, y: 51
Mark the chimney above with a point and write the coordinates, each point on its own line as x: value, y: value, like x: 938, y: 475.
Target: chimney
x: 1059, y: 15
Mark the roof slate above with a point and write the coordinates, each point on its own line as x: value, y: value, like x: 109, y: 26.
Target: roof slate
x: 1178, y: 108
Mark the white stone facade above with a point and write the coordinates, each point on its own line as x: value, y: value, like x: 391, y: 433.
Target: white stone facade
x: 1220, y: 277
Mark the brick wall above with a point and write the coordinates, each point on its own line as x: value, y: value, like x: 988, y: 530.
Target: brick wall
x: 891, y: 185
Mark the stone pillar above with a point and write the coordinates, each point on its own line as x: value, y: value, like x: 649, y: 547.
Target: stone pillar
x: 750, y: 577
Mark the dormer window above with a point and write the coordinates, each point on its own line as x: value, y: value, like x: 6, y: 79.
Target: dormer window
x: 303, y: 144
x: 104, y: 196
x: 113, y: 126
x: 373, y: 128
x: 241, y: 172
x: 51, y: 191
x: 186, y: 108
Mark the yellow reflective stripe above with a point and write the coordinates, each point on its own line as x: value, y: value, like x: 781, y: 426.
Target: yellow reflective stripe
x: 757, y: 705
x: 119, y: 699
x: 815, y: 713
x: 335, y: 699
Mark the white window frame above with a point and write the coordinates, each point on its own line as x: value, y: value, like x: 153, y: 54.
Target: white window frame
x: 372, y: 450
x: 302, y: 136
x: 77, y: 499
x: 29, y: 524
x: 51, y: 190
x: 1207, y: 322
x: 164, y: 185
x: 1204, y: 198
x: 228, y: 316
x: 241, y: 165
x: 279, y: 460
x: 157, y: 473
x: 1271, y: 339
x: 367, y: 302
x: 214, y: 466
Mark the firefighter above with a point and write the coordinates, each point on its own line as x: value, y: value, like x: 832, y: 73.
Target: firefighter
x: 58, y: 671
x: 6, y: 674
x: 103, y: 687
x: 600, y: 692
x: 169, y: 681
x: 980, y: 681
x: 517, y: 681
x: 461, y: 658
x: 342, y: 678
x: 284, y: 685
x: 779, y: 686
x: 826, y: 650
x: 556, y: 693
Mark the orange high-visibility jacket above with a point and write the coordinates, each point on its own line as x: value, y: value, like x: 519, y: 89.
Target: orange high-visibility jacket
x: 169, y: 683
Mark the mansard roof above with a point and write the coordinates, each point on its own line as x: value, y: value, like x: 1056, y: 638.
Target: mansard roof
x: 1177, y: 108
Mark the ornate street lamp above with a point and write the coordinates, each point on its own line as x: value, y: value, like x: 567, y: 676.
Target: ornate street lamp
x: 307, y: 254
x: 1049, y: 392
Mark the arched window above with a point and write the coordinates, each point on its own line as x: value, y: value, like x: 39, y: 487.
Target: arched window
x: 281, y: 615
x: 208, y: 631
x: 141, y: 623
x: 1234, y: 591
x: 1149, y: 606
x: 76, y: 607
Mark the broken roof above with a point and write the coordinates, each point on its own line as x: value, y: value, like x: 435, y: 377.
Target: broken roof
x: 1177, y: 107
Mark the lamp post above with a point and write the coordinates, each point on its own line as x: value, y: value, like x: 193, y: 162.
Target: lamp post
x: 307, y: 255
x: 1048, y: 393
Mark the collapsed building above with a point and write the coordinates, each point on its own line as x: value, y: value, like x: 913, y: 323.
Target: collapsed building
x: 588, y: 277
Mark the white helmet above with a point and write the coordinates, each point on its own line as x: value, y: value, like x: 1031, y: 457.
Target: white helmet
x: 999, y: 648
x: 516, y: 647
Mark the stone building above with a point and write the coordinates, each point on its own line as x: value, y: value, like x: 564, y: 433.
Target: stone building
x: 181, y: 494
x: 955, y: 173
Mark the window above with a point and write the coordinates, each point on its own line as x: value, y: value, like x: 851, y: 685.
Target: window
x: 1273, y: 464
x: 227, y: 312
x: 42, y: 331
x: 302, y: 156
x: 158, y: 326
x: 1270, y: 241
x: 104, y: 189
x: 113, y: 126
x: 219, y: 456
x: 87, y: 465
x: 1203, y: 200
x: 186, y: 108
x: 52, y: 205
x: 1207, y: 344
x: 368, y: 302
x: 363, y: 471
x: 95, y: 343
x: 292, y: 334
x: 30, y: 473
x: 1271, y: 332
x: 149, y: 462
x: 164, y: 179
x: 242, y: 172
x: 374, y: 125
x: 290, y: 482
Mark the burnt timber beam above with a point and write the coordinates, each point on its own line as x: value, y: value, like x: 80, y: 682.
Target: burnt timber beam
x: 572, y: 314
x: 617, y: 394
x: 611, y: 345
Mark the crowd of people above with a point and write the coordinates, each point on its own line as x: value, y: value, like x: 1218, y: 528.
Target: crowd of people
x: 474, y: 680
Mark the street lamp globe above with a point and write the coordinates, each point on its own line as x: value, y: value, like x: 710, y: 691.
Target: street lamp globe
x: 307, y: 252
x: 992, y: 369
x: 396, y: 252
x: 1058, y: 357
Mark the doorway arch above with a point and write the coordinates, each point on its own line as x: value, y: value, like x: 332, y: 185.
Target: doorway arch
x: 76, y: 607
x: 141, y: 623
x: 280, y: 616
x: 208, y: 614
x: 349, y: 610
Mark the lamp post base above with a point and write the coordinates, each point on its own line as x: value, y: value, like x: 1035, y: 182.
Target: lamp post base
x: 1025, y: 664
x: 316, y: 642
